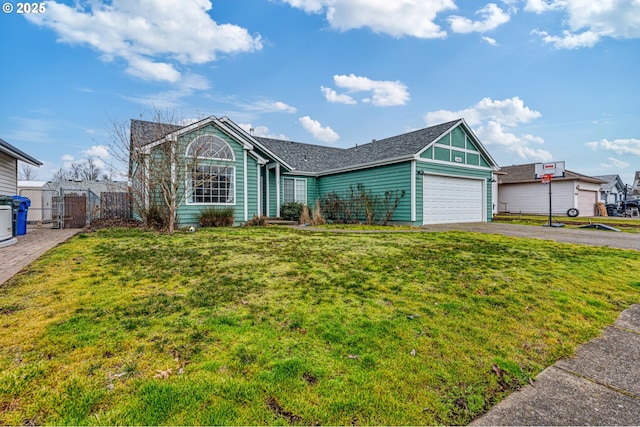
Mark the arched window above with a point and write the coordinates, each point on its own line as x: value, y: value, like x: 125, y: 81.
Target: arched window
x: 210, y: 147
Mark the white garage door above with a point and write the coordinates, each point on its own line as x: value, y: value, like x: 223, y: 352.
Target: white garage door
x: 587, y: 202
x: 447, y: 199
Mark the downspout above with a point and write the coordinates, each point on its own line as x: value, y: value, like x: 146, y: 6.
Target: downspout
x: 278, y: 190
x: 246, y: 187
x: 413, y: 191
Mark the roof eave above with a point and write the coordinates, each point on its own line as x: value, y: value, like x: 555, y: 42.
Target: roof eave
x: 367, y: 165
x: 12, y: 151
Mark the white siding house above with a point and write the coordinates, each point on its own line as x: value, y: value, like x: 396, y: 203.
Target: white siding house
x: 9, y: 156
x: 520, y: 192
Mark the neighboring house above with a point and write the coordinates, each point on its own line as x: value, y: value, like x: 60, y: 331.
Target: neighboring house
x: 612, y: 190
x: 635, y: 190
x: 444, y: 171
x: 520, y: 192
x: 9, y: 156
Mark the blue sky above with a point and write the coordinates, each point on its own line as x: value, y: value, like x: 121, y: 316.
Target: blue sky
x: 537, y: 80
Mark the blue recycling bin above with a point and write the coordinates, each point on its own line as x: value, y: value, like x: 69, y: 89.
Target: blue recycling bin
x: 22, y: 204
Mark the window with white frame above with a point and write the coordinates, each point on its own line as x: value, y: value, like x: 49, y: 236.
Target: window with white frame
x: 210, y: 147
x: 295, y: 190
x: 210, y: 183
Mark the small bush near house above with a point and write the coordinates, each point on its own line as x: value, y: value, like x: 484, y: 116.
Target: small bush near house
x: 359, y: 205
x: 317, y: 215
x: 156, y: 218
x: 257, y: 221
x: 291, y: 211
x: 304, y: 216
x: 216, y: 217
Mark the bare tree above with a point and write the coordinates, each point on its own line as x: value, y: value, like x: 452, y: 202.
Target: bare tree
x: 27, y: 172
x: 161, y: 172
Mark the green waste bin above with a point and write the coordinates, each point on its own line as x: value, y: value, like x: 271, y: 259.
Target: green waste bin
x: 8, y: 200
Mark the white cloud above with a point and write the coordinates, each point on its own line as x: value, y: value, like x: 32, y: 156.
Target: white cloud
x: 324, y: 134
x: 261, y: 131
x: 98, y: 151
x: 490, y: 41
x: 540, y: 6
x: 396, y: 18
x: 494, y: 133
x: 619, y: 146
x: 491, y: 18
x: 569, y: 40
x: 67, y: 158
x: 588, y: 21
x: 336, y: 98
x: 508, y: 112
x: 384, y: 93
x: 493, y: 122
x: 150, y: 35
x: 614, y: 163
x: 271, y: 107
x: 170, y: 99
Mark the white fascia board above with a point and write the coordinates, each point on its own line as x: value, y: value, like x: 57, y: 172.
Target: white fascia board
x: 481, y: 147
x: 173, y: 136
x: 302, y: 173
x: 436, y: 140
x: 261, y: 160
x: 368, y: 165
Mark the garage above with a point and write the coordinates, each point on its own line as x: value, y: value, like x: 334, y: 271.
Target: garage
x: 587, y: 201
x: 448, y: 199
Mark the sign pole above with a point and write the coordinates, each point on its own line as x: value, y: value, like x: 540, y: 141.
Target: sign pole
x: 550, y: 179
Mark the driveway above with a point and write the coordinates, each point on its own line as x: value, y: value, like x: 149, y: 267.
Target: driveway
x: 36, y: 242
x: 586, y: 236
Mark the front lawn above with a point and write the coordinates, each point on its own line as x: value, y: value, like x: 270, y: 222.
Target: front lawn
x: 630, y: 225
x: 273, y: 326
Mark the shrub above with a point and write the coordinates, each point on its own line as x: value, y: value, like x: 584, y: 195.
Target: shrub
x: 257, y: 221
x: 304, y: 216
x: 291, y: 211
x: 216, y: 217
x: 156, y: 218
x: 317, y: 215
x: 360, y: 205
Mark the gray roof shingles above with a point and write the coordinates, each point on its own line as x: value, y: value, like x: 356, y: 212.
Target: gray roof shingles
x: 319, y: 158
x: 526, y: 173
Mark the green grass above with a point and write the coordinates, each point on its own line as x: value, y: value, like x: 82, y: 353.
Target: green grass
x: 273, y: 326
x: 630, y: 225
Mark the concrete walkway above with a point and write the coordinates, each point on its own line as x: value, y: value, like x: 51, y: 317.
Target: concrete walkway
x: 598, y: 387
x: 30, y: 247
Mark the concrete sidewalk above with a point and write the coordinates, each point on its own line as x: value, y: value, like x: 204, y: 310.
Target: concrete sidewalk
x: 32, y: 245
x: 600, y: 386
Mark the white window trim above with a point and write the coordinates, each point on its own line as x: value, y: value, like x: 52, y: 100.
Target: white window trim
x: 295, y: 189
x: 189, y: 194
x: 233, y: 154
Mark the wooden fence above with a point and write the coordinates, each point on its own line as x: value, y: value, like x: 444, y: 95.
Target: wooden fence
x: 115, y: 205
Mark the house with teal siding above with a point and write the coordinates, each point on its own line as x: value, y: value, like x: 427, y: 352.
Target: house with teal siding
x: 444, y: 172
